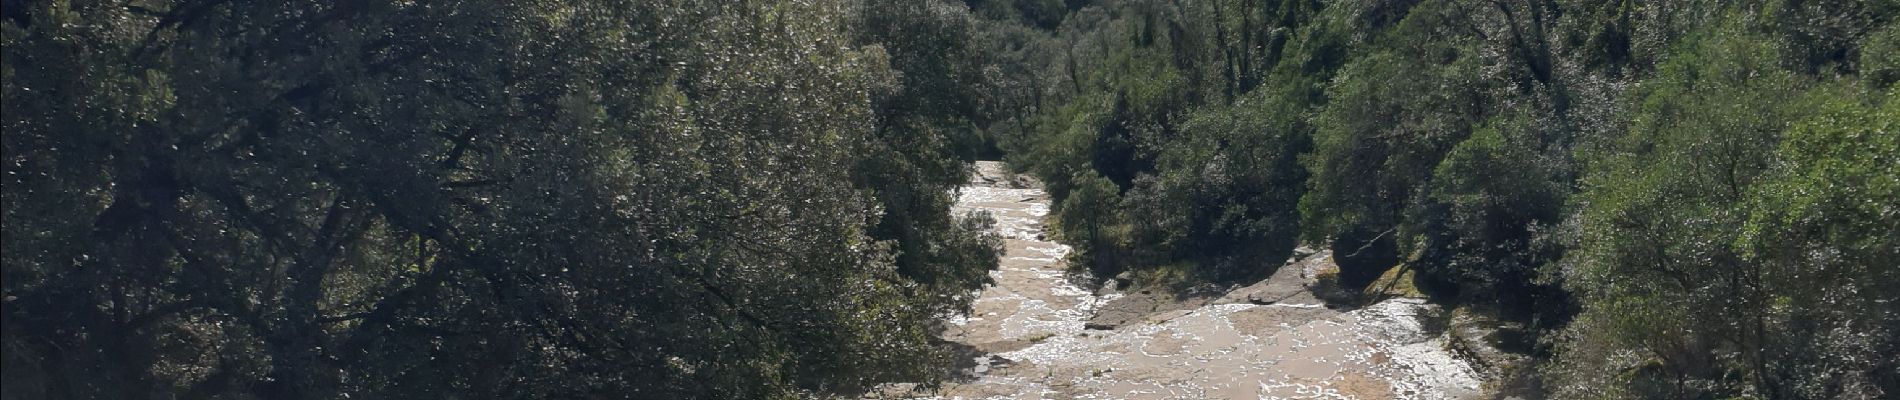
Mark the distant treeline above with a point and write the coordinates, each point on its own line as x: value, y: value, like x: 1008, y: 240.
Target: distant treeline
x: 1679, y: 199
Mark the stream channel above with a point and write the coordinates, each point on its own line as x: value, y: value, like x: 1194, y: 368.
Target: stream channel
x: 1040, y: 333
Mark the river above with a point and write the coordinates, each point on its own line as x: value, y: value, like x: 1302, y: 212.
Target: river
x: 1269, y: 340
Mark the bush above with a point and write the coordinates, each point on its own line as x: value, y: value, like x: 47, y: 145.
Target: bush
x: 1363, y: 255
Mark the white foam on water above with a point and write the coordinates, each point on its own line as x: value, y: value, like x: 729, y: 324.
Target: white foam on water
x: 1197, y: 353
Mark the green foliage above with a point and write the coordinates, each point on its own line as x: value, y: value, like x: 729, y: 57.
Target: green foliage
x: 701, y: 199
x: 1662, y: 209
x: 1387, y: 134
x: 1674, y: 266
x: 1390, y: 119
x: 1825, y: 239
x: 1150, y: 92
x: 1489, y: 203
x: 211, y: 199
x: 1088, y: 220
x: 1629, y: 164
x: 1224, y: 191
x: 1880, y: 57
x: 924, y: 138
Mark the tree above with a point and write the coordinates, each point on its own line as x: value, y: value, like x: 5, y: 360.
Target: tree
x: 925, y: 134
x: 1225, y: 190
x: 488, y: 199
x: 1658, y: 269
x: 1487, y: 216
x: 1391, y: 118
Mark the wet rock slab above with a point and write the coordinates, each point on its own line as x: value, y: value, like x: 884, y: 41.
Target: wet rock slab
x: 1289, y: 284
x: 1136, y: 308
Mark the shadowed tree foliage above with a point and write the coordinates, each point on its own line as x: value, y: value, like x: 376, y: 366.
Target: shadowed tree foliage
x: 925, y: 135
x: 1226, y: 189
x: 208, y: 199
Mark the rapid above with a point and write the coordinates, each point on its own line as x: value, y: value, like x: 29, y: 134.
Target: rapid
x: 1041, y: 333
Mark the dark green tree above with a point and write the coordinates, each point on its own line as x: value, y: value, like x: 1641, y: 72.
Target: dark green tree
x: 925, y: 135
x: 208, y: 199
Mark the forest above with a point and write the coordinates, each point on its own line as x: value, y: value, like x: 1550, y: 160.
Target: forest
x: 751, y: 199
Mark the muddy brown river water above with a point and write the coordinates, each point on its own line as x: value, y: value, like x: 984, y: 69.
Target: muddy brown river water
x: 1269, y: 340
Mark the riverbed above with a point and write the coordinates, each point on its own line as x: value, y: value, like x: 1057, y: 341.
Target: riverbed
x: 1270, y: 340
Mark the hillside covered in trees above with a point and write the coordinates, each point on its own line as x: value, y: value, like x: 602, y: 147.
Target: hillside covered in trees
x: 1679, y: 199
x: 1694, y: 199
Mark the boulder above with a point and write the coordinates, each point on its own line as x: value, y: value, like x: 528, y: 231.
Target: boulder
x: 1122, y: 311
x: 1286, y: 283
x: 1124, y: 279
x: 1302, y: 252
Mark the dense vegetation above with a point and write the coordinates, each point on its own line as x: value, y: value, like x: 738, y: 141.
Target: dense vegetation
x: 749, y: 199
x: 481, y: 199
x: 1682, y: 199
